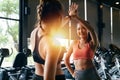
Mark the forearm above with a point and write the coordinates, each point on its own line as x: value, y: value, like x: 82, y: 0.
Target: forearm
x: 70, y: 69
x: 83, y: 23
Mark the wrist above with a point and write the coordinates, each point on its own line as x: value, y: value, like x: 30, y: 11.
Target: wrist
x: 73, y: 75
x: 73, y: 17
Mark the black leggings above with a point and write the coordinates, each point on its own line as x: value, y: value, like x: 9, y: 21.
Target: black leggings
x: 58, y: 77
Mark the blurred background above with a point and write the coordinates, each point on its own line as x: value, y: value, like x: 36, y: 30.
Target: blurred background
x: 17, y: 20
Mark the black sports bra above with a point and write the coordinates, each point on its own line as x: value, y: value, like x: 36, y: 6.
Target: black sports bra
x: 36, y: 56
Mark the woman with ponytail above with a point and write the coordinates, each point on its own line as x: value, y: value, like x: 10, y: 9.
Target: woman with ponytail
x: 47, y: 52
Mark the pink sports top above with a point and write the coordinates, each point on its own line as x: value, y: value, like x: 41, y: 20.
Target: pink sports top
x: 83, y: 53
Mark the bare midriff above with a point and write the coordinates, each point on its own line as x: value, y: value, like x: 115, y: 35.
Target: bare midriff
x: 40, y: 69
x: 83, y: 64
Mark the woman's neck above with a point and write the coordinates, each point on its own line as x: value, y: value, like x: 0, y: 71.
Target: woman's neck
x: 48, y: 31
x: 83, y: 41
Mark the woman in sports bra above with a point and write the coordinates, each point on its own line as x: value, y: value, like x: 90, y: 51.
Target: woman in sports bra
x: 47, y: 52
x: 82, y: 49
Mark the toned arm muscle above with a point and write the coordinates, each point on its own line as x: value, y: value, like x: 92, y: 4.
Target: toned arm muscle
x: 67, y: 59
x: 51, y: 60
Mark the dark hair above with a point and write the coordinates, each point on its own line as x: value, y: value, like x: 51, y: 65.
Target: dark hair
x: 89, y: 37
x: 48, y: 10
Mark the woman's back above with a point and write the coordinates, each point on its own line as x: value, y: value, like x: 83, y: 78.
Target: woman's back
x: 46, y: 50
x: 42, y: 44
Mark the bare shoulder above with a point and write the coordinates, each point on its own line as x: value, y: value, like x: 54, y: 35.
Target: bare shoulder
x: 51, y: 48
x: 51, y: 42
x: 32, y: 39
x: 74, y: 42
x: 33, y: 32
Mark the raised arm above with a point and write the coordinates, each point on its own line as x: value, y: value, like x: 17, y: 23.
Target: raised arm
x: 94, y: 39
x: 73, y: 15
